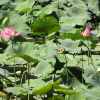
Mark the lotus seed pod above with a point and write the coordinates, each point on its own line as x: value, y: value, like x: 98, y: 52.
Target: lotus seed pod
x: 18, y: 72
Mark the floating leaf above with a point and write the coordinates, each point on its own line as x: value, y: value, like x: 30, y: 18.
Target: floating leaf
x: 25, y: 5
x: 25, y: 57
x: 43, y: 90
x: 40, y: 89
x: 45, y: 25
x: 65, y: 90
x: 43, y: 69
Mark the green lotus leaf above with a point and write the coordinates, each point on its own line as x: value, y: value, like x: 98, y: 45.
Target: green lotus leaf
x: 45, y: 26
x: 25, y: 57
x: 25, y: 5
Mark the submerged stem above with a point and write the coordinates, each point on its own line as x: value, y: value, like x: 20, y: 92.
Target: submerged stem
x: 14, y: 61
x: 82, y: 64
x: 91, y: 58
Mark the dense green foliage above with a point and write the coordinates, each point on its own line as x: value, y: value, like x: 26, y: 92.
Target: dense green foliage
x: 51, y: 60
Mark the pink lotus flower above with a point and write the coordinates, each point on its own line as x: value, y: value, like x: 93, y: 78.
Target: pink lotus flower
x: 86, y: 33
x: 9, y: 33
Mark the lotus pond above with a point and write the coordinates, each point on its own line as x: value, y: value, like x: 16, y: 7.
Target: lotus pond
x: 49, y: 50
